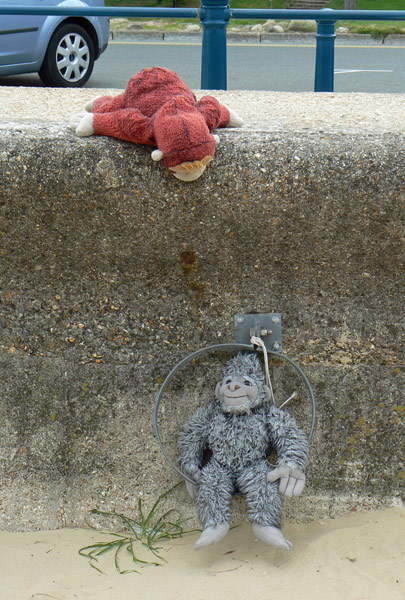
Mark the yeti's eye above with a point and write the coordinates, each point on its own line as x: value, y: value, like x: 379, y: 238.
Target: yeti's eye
x: 247, y: 382
x: 228, y: 380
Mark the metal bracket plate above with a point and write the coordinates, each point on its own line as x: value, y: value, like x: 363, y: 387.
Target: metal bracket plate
x: 266, y: 326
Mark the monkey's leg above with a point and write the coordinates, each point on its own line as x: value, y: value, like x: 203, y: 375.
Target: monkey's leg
x: 213, y: 498
x: 264, y: 504
x: 103, y: 104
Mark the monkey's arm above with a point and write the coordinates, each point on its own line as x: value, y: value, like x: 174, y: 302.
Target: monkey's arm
x: 127, y: 124
x: 193, y: 441
x: 291, y: 445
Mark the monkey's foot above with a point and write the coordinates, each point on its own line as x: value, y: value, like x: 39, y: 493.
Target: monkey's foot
x: 211, y: 535
x: 88, y: 107
x: 271, y: 535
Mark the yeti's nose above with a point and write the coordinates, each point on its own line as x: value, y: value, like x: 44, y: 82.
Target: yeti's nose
x: 233, y: 387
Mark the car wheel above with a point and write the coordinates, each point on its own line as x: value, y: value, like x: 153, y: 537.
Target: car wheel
x: 69, y: 59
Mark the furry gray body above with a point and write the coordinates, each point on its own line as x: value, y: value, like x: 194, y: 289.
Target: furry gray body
x: 239, y: 443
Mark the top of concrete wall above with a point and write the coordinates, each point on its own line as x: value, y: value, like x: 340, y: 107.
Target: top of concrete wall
x: 260, y: 110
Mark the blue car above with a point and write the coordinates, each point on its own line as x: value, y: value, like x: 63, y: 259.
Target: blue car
x: 61, y: 49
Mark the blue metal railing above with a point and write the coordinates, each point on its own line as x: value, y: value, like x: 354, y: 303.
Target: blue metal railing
x: 214, y: 16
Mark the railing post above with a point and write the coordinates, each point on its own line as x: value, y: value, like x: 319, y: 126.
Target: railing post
x: 325, y: 56
x: 214, y: 15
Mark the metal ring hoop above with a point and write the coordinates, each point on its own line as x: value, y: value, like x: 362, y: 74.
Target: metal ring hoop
x: 219, y: 348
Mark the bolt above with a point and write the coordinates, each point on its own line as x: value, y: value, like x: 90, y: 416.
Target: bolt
x: 264, y: 332
x: 240, y: 320
x: 275, y: 319
x: 276, y: 346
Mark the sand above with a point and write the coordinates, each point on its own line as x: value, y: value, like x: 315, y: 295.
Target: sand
x: 357, y: 557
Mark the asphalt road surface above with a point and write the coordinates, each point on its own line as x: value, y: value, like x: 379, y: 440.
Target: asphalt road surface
x: 285, y: 65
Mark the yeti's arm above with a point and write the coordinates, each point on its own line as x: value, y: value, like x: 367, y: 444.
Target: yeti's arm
x: 193, y: 440
x: 291, y: 445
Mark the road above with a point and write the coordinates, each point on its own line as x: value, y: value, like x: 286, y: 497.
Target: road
x: 278, y: 66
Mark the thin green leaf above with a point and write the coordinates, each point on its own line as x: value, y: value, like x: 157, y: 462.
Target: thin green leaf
x: 140, y: 510
x: 158, y: 502
x: 154, y: 550
x: 135, y: 559
x: 96, y: 568
x: 117, y: 566
x: 129, y: 523
x: 107, y: 548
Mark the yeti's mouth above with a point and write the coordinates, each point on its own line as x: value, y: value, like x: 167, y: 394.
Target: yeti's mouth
x: 236, y: 400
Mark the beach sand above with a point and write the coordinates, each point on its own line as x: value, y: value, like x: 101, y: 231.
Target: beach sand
x: 357, y: 557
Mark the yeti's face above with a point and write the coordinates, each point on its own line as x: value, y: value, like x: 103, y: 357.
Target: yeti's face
x: 238, y: 390
x: 243, y: 387
x: 237, y: 393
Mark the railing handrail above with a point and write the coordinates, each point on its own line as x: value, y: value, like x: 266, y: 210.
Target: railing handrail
x: 101, y: 11
x: 191, y: 13
x: 214, y: 16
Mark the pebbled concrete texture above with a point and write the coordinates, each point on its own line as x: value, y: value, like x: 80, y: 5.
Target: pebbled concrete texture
x: 112, y: 271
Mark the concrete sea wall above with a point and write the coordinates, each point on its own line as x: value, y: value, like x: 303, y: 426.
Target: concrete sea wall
x: 112, y: 271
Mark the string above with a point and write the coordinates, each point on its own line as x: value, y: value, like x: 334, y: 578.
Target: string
x: 256, y: 341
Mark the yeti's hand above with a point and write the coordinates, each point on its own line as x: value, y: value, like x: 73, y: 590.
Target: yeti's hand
x: 292, y: 481
x: 82, y: 124
x: 191, y: 487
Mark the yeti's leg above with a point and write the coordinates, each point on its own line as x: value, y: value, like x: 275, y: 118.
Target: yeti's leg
x: 264, y: 504
x: 213, y: 498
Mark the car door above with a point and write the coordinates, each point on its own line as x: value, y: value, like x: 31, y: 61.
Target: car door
x: 19, y: 33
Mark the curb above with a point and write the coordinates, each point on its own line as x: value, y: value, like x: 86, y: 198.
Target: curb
x: 252, y: 35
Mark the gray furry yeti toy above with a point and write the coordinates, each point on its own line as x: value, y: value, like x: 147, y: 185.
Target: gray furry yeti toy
x: 240, y: 429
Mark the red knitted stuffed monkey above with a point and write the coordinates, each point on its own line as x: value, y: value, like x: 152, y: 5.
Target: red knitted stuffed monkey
x: 158, y: 109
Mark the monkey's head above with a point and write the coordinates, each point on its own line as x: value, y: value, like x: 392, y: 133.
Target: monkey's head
x: 243, y: 386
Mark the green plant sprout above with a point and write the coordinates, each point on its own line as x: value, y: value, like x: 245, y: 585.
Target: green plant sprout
x: 147, y: 531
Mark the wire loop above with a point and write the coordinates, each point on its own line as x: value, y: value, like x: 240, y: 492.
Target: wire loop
x: 220, y: 348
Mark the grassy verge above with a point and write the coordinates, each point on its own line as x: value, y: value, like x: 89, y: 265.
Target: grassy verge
x: 377, y: 29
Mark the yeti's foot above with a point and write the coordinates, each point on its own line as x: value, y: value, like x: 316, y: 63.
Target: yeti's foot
x: 211, y: 535
x: 271, y: 535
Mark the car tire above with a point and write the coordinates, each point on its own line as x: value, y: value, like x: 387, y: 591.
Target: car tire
x: 69, y: 59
